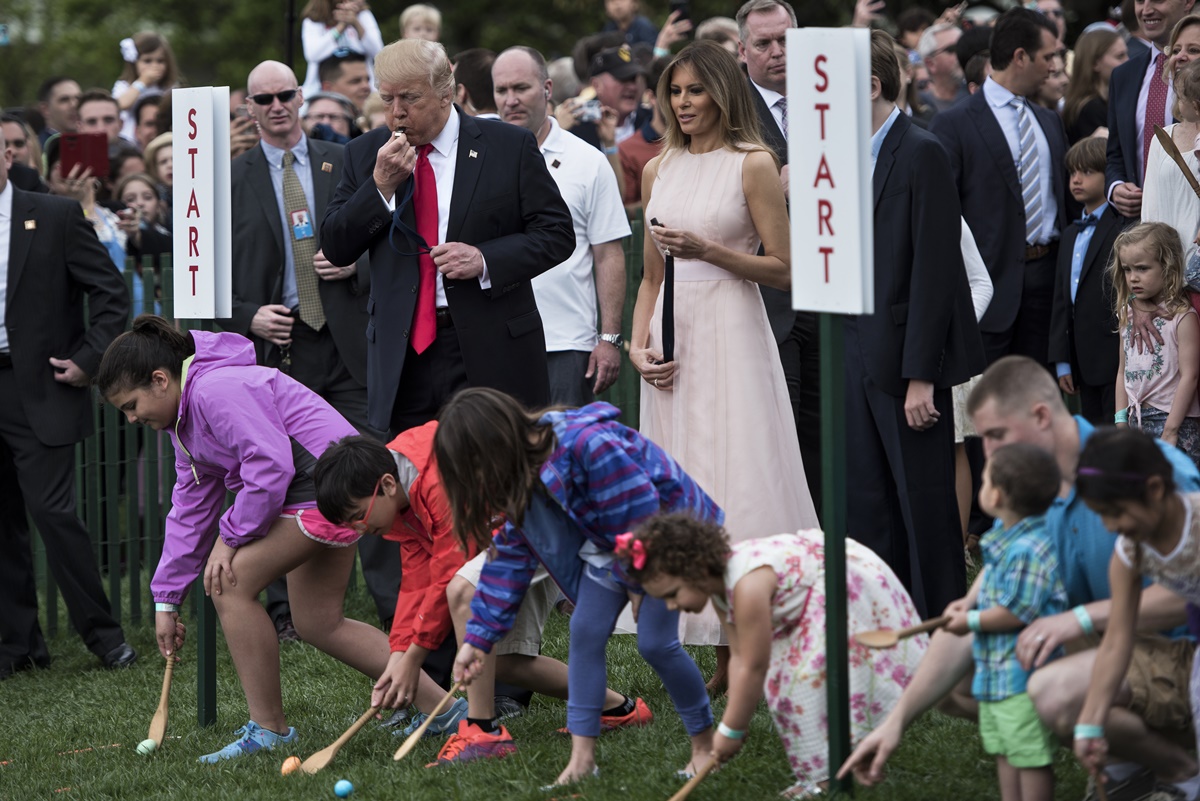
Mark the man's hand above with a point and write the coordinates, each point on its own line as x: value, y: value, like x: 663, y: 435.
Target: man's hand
x: 1042, y: 637
x: 1067, y: 384
x: 1127, y: 199
x: 868, y: 761
x: 604, y: 364
x: 918, y: 406
x: 68, y: 372
x: 1144, y: 328
x: 328, y: 271
x: 273, y: 323
x: 394, y: 162
x: 457, y: 260
x: 866, y: 12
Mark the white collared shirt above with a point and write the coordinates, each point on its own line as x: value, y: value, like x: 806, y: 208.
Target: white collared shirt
x: 771, y: 98
x: 6, y: 223
x: 566, y: 294
x: 998, y: 98
x: 443, y: 158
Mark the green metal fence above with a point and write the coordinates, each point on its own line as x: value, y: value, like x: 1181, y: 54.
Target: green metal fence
x: 124, y: 475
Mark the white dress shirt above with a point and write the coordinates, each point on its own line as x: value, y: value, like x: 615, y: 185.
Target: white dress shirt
x: 771, y: 97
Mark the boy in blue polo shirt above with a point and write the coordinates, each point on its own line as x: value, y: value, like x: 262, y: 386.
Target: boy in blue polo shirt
x: 1019, y: 584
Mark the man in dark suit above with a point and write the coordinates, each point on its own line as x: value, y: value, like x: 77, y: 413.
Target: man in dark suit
x: 452, y: 305
x: 50, y: 260
x: 763, y: 26
x: 902, y: 360
x: 326, y: 350
x: 1137, y: 101
x: 1007, y: 157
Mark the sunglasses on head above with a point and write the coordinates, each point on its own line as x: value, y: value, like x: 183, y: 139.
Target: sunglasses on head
x: 266, y: 98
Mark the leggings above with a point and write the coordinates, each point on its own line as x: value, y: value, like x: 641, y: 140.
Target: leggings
x: 658, y: 642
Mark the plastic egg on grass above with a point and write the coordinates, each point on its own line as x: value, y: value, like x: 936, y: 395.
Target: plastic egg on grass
x: 290, y: 765
x: 343, y: 788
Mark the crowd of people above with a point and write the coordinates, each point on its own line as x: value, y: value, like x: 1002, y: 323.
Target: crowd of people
x: 429, y: 282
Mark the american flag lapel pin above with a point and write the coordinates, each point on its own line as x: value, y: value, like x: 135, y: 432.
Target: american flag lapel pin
x: 472, y: 154
x: 31, y: 225
x: 326, y: 166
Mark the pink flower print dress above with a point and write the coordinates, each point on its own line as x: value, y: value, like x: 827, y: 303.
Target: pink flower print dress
x: 796, y: 679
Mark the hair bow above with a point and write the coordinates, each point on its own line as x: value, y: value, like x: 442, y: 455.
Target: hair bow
x: 627, y: 545
x: 129, y: 50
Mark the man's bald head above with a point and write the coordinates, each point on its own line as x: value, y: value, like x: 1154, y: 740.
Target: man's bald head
x: 272, y: 71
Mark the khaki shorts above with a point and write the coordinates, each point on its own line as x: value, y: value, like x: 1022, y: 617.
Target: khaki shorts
x: 1159, y: 675
x: 525, y: 638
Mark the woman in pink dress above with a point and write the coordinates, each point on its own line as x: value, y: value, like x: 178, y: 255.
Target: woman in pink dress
x: 720, y: 407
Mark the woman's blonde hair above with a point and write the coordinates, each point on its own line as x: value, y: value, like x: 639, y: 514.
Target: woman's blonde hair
x: 718, y: 72
x: 1187, y: 89
x: 1176, y: 32
x: 1167, y: 249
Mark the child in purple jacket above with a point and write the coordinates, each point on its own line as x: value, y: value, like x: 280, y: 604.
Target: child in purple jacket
x: 254, y: 431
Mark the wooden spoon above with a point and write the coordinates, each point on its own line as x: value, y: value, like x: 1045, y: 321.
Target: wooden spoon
x: 323, y: 757
x: 886, y: 638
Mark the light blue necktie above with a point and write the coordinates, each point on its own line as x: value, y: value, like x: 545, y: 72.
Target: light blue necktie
x: 1027, y: 169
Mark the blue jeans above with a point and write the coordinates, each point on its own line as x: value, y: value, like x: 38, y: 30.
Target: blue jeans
x: 658, y: 642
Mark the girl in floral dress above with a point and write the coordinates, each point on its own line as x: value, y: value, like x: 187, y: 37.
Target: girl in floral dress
x: 770, y: 595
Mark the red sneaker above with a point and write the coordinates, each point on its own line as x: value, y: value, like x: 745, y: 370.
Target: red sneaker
x: 472, y: 743
x: 640, y: 716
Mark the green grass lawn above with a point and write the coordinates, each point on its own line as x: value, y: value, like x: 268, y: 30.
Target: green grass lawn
x: 49, y: 718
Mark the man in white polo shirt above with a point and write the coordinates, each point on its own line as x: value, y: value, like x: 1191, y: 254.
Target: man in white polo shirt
x: 581, y: 364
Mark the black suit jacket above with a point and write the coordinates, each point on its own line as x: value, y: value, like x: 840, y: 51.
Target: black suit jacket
x: 780, y: 313
x: 1124, y: 149
x: 258, y: 256
x: 54, y: 263
x: 505, y: 203
x: 924, y: 326
x: 1087, y: 329
x: 983, y: 170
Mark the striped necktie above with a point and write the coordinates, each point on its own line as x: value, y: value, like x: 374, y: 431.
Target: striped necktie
x: 781, y: 104
x: 1028, y: 168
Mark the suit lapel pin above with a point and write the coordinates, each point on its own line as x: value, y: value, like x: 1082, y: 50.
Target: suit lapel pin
x: 326, y: 166
x: 556, y: 164
x: 472, y: 154
x: 31, y: 225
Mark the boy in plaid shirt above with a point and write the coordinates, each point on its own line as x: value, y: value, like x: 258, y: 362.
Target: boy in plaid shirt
x: 1018, y: 584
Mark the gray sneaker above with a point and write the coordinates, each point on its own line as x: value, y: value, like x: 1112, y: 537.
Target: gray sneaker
x: 1138, y: 787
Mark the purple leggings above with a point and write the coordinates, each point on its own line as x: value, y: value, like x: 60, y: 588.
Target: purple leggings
x: 592, y: 624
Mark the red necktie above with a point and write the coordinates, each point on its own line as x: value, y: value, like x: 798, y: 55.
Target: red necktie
x: 1156, y: 108
x: 425, y: 207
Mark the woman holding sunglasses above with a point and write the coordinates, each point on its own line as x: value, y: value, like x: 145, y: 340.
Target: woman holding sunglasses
x: 258, y: 433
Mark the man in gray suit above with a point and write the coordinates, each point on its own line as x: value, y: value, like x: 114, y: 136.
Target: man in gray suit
x: 306, y: 316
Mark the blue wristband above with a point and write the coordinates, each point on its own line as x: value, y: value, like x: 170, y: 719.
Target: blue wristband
x: 1085, y: 620
x: 161, y: 607
x: 1088, y: 731
x: 732, y: 734
x: 1121, y: 416
x: 973, y: 620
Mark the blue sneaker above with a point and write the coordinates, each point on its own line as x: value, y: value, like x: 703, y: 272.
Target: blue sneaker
x: 442, y: 724
x: 250, y: 738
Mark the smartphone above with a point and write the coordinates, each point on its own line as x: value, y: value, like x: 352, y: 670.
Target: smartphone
x: 86, y: 149
x: 682, y: 7
x: 590, y: 111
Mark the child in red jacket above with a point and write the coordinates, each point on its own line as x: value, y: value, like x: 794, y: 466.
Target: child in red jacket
x: 395, y: 491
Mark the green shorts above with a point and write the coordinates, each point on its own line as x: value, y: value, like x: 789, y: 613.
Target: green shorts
x: 1012, y: 729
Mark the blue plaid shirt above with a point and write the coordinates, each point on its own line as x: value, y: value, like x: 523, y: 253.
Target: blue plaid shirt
x: 1020, y: 573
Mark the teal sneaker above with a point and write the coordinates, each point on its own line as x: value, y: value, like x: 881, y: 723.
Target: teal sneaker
x: 250, y: 738
x: 442, y: 724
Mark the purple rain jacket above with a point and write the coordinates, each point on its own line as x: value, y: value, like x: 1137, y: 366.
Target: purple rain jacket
x: 242, y: 428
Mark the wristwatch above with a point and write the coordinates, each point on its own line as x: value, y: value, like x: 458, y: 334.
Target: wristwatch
x: 613, y: 339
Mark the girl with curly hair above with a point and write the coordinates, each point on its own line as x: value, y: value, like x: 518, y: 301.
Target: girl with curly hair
x: 770, y: 596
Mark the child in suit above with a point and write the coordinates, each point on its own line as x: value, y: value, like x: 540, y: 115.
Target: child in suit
x: 1083, y: 327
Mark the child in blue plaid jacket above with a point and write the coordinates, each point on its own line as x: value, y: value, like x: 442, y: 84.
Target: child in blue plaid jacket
x: 1019, y: 583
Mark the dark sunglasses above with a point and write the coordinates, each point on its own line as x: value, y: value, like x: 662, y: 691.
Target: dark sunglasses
x: 267, y: 98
